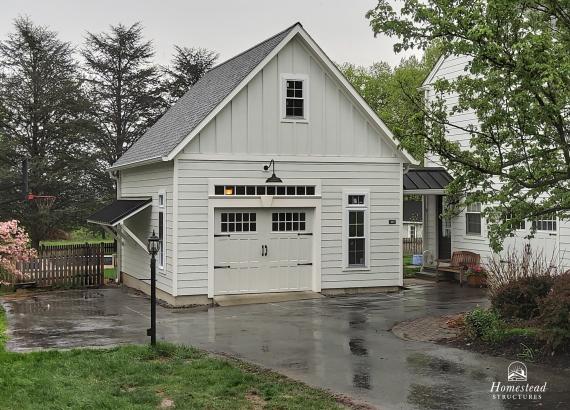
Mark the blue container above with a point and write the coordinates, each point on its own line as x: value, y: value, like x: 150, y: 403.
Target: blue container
x: 417, y: 260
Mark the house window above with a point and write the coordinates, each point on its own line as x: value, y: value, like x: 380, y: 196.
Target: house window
x: 238, y: 222
x: 545, y: 223
x: 473, y: 219
x: 356, y: 228
x: 162, y: 229
x: 288, y: 221
x: 294, y: 97
x: 515, y: 225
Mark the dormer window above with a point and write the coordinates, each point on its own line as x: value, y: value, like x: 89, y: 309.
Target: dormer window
x: 295, y: 97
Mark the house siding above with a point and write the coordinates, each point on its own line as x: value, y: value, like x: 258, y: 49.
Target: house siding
x: 383, y: 181
x: 147, y: 181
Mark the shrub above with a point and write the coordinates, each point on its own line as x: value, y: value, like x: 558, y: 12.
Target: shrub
x: 520, y: 298
x: 486, y: 325
x: 555, y: 314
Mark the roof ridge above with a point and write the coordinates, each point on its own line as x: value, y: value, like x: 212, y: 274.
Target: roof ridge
x: 254, y: 46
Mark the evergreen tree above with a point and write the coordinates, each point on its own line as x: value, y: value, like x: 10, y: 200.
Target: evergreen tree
x: 44, y: 118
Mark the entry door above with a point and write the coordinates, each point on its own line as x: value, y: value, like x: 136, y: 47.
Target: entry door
x: 444, y: 230
x: 262, y: 250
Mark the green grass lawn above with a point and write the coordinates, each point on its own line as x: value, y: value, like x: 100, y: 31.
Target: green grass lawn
x: 80, y: 236
x: 110, y: 273
x: 139, y: 377
x: 409, y: 270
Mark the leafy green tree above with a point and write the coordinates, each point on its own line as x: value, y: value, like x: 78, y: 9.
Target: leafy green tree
x: 392, y: 92
x: 517, y: 83
x: 188, y: 66
x: 44, y: 118
x: 124, y: 86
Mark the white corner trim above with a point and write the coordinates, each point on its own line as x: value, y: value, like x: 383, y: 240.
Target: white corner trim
x: 175, y: 229
x: 133, y: 237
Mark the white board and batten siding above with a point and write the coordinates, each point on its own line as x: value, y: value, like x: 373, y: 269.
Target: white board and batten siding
x: 148, y: 181
x: 382, y: 180
x: 251, y: 123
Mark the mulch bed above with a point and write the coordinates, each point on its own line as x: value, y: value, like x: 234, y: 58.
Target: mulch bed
x: 515, y: 348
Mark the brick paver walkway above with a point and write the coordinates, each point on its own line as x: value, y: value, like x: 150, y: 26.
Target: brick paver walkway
x: 427, y: 329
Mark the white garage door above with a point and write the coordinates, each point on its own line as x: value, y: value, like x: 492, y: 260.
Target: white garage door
x: 262, y: 250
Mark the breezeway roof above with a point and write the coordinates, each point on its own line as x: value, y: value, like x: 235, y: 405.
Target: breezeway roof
x: 119, y: 210
x: 424, y: 179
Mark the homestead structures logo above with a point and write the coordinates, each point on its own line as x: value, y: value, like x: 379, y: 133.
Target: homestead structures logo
x: 517, y: 387
x: 516, y: 372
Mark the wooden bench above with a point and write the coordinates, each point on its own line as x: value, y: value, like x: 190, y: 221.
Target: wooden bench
x: 459, y: 263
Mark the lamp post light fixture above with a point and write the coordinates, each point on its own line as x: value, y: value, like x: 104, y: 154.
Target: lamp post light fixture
x: 273, y: 177
x: 153, y: 248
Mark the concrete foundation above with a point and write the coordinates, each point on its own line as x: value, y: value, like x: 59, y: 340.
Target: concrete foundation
x: 359, y: 291
x: 175, y: 301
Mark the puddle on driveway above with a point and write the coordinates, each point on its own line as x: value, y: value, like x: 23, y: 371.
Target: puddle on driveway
x: 430, y: 366
x: 437, y: 396
x: 357, y: 347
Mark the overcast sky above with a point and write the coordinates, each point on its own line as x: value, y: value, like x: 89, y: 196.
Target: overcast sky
x: 229, y: 26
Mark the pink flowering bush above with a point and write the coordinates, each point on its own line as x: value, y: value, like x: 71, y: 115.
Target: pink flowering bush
x: 14, y: 247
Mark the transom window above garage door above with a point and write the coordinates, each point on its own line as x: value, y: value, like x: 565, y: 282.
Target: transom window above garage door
x: 256, y: 190
x: 238, y: 222
x: 288, y: 221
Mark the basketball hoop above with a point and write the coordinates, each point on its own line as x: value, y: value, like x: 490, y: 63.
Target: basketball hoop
x: 43, y: 202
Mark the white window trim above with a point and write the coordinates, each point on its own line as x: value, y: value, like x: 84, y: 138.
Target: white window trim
x: 466, y: 222
x: 282, y: 94
x: 162, y: 208
x: 345, y: 209
x: 555, y: 220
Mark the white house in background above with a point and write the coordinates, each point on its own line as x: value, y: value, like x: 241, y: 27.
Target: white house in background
x: 328, y: 220
x: 412, y: 219
x: 468, y: 231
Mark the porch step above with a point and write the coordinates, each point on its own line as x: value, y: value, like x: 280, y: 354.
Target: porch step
x: 255, y: 298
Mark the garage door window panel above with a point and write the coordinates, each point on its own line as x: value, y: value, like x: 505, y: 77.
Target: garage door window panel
x: 238, y: 222
x: 288, y: 221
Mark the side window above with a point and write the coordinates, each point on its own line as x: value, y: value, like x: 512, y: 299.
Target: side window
x: 545, y: 223
x: 356, y: 230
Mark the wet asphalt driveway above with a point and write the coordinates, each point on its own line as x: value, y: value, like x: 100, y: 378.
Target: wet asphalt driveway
x: 343, y: 344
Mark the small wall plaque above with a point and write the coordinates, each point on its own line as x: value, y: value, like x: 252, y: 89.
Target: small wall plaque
x: 392, y: 222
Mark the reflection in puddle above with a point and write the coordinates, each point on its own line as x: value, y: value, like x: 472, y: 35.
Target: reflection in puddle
x: 357, y: 347
x: 361, y: 380
x: 439, y: 396
x: 430, y: 365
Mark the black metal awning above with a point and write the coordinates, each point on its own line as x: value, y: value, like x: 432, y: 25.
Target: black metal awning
x: 426, y: 179
x: 119, y: 210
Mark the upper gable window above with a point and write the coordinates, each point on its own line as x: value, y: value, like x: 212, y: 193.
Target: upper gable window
x: 294, y: 97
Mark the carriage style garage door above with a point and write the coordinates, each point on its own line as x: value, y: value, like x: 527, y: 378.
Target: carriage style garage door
x: 262, y: 250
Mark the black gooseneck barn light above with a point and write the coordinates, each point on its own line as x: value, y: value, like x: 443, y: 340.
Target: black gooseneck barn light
x: 273, y: 177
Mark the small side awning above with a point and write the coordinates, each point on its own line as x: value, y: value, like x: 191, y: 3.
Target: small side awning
x: 121, y: 209
x: 426, y: 181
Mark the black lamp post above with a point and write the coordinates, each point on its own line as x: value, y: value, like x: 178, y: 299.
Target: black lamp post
x: 273, y: 177
x: 153, y: 248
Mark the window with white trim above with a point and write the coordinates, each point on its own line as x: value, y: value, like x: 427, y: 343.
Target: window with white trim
x: 294, y: 92
x: 473, y: 219
x: 518, y: 226
x: 545, y: 223
x: 356, y: 230
x: 162, y: 229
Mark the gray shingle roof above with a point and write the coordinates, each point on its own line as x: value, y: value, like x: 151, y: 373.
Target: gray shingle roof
x: 197, y: 103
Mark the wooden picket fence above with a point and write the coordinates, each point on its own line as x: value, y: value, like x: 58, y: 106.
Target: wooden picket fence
x: 77, y: 266
x: 412, y: 246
